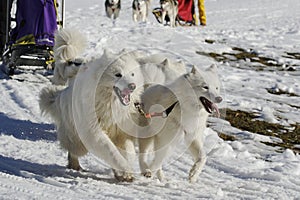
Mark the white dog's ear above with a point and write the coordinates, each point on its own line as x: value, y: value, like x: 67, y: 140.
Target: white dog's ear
x: 107, y: 53
x: 166, y: 63
x: 194, y: 70
x: 213, y: 68
x: 180, y: 67
x: 124, y: 51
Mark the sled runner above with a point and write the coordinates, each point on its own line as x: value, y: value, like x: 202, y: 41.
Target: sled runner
x: 186, y: 13
x: 30, y: 34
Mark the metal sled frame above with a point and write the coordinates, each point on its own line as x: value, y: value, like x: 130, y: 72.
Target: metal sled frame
x: 29, y: 54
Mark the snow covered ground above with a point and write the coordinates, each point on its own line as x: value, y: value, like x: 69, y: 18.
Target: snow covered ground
x: 32, y: 164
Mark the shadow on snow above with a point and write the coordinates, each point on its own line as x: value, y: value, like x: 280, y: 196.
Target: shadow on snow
x: 40, y: 172
x: 26, y: 130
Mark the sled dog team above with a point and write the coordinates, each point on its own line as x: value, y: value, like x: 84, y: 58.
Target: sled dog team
x: 121, y: 101
x: 141, y: 8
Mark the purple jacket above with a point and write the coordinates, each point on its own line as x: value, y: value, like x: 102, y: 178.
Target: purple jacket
x: 36, y: 18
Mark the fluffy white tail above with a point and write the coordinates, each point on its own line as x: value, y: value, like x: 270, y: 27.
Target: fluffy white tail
x: 47, y: 101
x: 69, y: 44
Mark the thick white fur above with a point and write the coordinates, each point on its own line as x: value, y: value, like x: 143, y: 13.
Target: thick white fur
x: 170, y: 8
x: 88, y: 111
x: 90, y: 94
x: 140, y: 9
x: 187, y: 119
x: 69, y: 44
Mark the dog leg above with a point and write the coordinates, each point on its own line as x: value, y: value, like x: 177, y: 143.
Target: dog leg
x: 135, y: 17
x: 125, y: 145
x: 160, y: 152
x: 163, y: 16
x: 173, y: 21
x: 108, y: 13
x: 116, y: 14
x: 144, y: 17
x: 73, y: 162
x: 160, y: 174
x: 196, y: 148
x: 144, y: 145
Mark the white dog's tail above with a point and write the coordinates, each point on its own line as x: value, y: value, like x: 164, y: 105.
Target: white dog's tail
x: 69, y: 44
x: 47, y: 100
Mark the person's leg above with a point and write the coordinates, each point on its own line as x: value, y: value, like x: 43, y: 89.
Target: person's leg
x: 202, y: 15
x: 3, y: 6
x: 3, y: 22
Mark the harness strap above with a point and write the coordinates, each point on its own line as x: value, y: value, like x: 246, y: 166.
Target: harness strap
x: 163, y: 114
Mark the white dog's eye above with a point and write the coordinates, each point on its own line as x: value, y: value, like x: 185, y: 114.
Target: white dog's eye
x: 132, y: 74
x: 205, y: 87
x: 119, y: 75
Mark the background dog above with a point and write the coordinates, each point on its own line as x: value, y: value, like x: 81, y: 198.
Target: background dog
x: 69, y: 44
x: 112, y: 8
x: 169, y: 8
x: 140, y: 10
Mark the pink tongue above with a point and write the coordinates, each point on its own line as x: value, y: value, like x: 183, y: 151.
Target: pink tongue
x: 125, y: 95
x: 125, y: 92
x: 215, y: 107
x: 126, y: 99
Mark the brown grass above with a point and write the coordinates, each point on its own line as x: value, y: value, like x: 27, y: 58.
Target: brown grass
x: 242, y: 54
x: 290, y: 136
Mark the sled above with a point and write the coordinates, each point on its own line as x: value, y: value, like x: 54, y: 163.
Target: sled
x: 30, y: 34
x: 186, y: 13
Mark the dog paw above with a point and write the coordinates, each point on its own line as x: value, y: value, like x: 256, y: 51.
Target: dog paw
x: 193, y: 175
x: 147, y: 174
x: 160, y: 175
x: 75, y: 166
x: 126, y: 177
x: 193, y: 179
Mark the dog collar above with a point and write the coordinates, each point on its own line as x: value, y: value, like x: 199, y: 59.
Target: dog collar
x: 76, y: 62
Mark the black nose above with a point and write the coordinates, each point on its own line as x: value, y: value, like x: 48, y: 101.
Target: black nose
x: 131, y: 86
x: 218, y: 99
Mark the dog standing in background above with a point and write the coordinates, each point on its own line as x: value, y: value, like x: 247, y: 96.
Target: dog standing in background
x: 169, y: 8
x: 140, y: 10
x: 112, y: 8
x: 69, y: 44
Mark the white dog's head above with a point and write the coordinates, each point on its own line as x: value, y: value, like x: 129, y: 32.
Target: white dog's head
x: 206, y: 86
x: 122, y: 75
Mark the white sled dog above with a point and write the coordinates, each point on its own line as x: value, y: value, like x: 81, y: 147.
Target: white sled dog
x: 69, y: 44
x: 140, y: 10
x: 103, y: 95
x: 112, y: 8
x: 169, y: 8
x: 185, y: 105
x: 100, y: 99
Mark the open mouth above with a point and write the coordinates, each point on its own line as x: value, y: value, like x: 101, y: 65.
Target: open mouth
x: 123, y: 95
x: 209, y: 106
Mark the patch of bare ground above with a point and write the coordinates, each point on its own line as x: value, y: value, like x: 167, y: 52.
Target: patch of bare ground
x: 259, y: 62
x: 247, y: 121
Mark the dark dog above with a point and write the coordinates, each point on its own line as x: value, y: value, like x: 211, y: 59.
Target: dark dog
x: 112, y: 8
